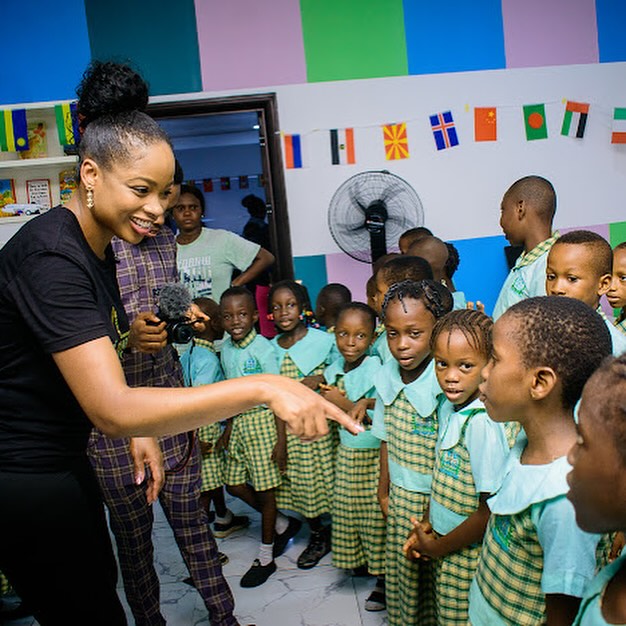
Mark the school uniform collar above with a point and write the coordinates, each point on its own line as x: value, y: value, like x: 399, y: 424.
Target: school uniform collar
x: 309, y: 352
x: 204, y: 343
x: 246, y: 341
x: 451, y: 422
x: 526, y: 258
x: 357, y: 381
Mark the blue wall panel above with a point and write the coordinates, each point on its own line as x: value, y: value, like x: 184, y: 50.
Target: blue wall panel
x: 311, y: 270
x: 611, y: 15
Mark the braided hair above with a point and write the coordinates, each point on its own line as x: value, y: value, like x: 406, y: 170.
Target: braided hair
x: 475, y: 326
x: 301, y: 294
x: 435, y: 297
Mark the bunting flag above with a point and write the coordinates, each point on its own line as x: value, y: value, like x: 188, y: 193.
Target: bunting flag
x: 67, y: 123
x: 225, y: 183
x: 13, y: 130
x: 243, y: 182
x: 207, y: 185
x: 342, y: 146
x: 535, y: 121
x: 444, y: 130
x: 293, y: 152
x: 575, y: 119
x: 619, y: 126
x: 396, y: 141
x: 485, y: 124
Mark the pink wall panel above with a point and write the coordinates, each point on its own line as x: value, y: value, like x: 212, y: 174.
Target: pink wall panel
x: 550, y: 32
x: 343, y: 269
x: 247, y: 43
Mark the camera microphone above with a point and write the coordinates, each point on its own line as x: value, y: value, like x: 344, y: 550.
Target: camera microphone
x: 174, y: 304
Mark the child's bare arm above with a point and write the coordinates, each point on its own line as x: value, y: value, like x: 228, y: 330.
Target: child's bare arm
x: 383, y: 480
x: 561, y: 609
x: 279, y: 454
x: 224, y: 438
x: 313, y: 382
x: 360, y: 409
x: 337, y: 397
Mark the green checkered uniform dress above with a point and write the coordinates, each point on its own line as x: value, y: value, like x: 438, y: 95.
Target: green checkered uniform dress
x: 358, y: 536
x: 410, y: 586
x: 307, y: 485
x: 250, y: 448
x: 213, y: 463
x: 453, y: 488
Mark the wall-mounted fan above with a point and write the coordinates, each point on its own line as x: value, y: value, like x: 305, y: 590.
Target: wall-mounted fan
x: 369, y: 212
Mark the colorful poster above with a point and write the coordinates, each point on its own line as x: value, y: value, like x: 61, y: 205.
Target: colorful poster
x: 38, y: 192
x: 619, y: 126
x: 293, y: 152
x: 575, y: 119
x: 535, y: 121
x: 444, y: 130
x: 485, y: 124
x: 207, y: 185
x: 225, y: 183
x: 396, y: 141
x: 342, y: 146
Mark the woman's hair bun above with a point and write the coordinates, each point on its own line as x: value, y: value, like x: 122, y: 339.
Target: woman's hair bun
x: 109, y: 88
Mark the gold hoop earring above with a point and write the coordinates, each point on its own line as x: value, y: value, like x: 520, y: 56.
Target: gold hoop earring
x: 90, y: 201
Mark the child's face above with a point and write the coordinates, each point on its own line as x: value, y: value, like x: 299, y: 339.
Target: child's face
x: 354, y: 335
x: 238, y: 316
x: 504, y: 389
x: 408, y: 332
x: 458, y: 367
x: 286, y: 310
x: 597, y: 486
x: 616, y: 295
x: 571, y: 272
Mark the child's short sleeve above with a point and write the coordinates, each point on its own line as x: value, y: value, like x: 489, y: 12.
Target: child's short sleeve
x: 378, y: 420
x: 569, y: 554
x: 267, y: 358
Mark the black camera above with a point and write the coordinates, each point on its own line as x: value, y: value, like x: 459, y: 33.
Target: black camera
x: 178, y: 331
x: 174, y: 304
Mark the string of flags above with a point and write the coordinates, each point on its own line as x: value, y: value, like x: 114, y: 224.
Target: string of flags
x: 225, y: 183
x: 396, y: 141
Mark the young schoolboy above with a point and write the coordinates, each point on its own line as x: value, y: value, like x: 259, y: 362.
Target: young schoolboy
x: 251, y: 473
x: 535, y: 562
x: 579, y: 266
x: 598, y: 485
x: 527, y: 212
x: 329, y: 300
x: 616, y: 295
x: 410, y: 236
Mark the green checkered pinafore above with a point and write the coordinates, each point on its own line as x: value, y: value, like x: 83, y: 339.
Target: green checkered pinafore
x: 213, y: 462
x: 453, y: 488
x: 250, y: 449
x: 410, y: 586
x: 510, y: 569
x: 358, y: 536
x: 307, y: 485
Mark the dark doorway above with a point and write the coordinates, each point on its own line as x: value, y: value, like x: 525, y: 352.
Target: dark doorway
x: 199, y: 127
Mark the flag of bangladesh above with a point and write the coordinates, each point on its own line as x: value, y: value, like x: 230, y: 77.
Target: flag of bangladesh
x: 535, y: 121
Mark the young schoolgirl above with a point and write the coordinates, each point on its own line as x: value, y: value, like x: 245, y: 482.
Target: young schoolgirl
x: 535, y: 561
x: 358, y: 537
x: 471, y: 451
x: 303, y: 354
x: 598, y: 485
x: 201, y: 366
x: 252, y: 474
x: 616, y: 294
x: 405, y: 420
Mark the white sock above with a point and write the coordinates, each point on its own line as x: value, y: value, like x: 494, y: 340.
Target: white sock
x: 281, y: 523
x: 266, y: 553
x: 227, y: 519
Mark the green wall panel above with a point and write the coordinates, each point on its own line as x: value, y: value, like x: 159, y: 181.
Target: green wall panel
x: 617, y: 233
x: 158, y: 37
x: 346, y: 39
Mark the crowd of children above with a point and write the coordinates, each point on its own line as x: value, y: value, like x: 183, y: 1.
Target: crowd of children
x: 455, y: 497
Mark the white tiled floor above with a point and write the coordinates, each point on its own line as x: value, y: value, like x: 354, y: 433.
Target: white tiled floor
x: 323, y: 596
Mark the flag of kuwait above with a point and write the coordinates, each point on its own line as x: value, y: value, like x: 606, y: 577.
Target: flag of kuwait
x: 619, y: 126
x: 575, y: 119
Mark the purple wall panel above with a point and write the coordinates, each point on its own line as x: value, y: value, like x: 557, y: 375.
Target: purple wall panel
x: 246, y: 43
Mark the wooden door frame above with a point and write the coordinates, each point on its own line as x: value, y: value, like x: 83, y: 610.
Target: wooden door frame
x: 271, y: 156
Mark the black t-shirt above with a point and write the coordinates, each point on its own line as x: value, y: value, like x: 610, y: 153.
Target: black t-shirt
x: 55, y: 294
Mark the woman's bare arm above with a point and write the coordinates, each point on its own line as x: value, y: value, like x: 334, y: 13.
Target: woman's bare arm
x: 94, y: 374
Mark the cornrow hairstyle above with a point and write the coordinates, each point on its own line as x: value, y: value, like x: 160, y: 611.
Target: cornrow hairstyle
x: 112, y: 99
x: 561, y: 333
x: 612, y: 375
x: 452, y: 264
x: 602, y: 255
x: 367, y: 312
x: 435, y: 297
x: 476, y: 327
x: 196, y: 193
x: 405, y: 267
x: 235, y: 291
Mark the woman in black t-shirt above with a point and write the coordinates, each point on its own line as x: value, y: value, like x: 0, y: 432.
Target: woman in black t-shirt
x: 61, y: 321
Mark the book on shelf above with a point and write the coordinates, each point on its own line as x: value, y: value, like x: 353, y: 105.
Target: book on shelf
x: 67, y: 184
x: 7, y: 196
x: 37, y: 141
x: 38, y: 192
